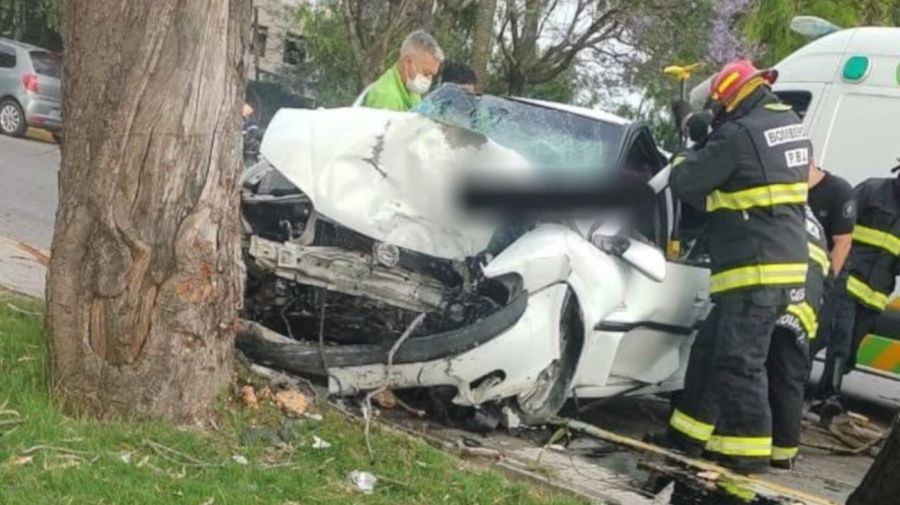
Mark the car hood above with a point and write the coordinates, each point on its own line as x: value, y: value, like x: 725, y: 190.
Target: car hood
x: 392, y: 176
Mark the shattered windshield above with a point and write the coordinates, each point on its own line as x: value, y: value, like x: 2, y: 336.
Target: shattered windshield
x: 553, y: 140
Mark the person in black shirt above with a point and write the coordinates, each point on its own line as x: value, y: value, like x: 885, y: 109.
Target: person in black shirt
x: 832, y: 202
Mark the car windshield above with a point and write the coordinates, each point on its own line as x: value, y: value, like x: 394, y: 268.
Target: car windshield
x: 552, y: 139
x: 47, y: 64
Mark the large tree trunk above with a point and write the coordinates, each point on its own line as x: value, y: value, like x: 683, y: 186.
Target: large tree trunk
x: 481, y: 39
x: 145, y: 276
x: 881, y: 485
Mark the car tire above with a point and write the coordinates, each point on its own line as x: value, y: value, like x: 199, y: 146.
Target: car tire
x: 12, y: 118
x: 541, y: 405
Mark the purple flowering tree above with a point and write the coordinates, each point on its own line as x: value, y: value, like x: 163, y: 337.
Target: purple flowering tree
x: 726, y: 41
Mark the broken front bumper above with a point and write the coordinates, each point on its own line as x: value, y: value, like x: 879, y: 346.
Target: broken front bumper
x: 272, y: 349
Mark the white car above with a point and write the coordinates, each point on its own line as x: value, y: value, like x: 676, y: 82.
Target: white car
x: 353, y: 230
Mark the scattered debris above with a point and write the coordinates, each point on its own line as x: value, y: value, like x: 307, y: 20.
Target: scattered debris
x: 241, y: 460
x: 364, y: 482
x: 125, y: 457
x: 385, y: 399
x: 313, y: 417
x: 318, y: 443
x: 21, y: 460
x: 248, y: 396
x: 292, y: 402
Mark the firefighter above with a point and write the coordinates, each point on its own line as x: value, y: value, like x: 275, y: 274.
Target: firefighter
x: 751, y: 173
x: 873, y: 266
x: 789, y: 361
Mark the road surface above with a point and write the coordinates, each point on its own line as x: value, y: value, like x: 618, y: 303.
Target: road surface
x: 28, y: 169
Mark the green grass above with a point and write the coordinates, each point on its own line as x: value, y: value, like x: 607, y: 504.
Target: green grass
x: 48, y: 458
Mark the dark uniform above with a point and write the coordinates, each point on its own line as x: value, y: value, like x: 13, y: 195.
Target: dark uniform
x: 873, y: 266
x: 789, y: 362
x: 752, y: 172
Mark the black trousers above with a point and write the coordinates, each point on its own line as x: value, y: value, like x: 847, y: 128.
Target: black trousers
x: 788, y: 368
x: 843, y: 324
x: 725, y: 404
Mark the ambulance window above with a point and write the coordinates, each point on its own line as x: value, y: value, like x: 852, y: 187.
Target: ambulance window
x: 798, y: 100
x: 857, y: 149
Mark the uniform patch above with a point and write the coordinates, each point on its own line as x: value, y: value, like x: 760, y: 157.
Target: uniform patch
x: 797, y: 157
x: 849, y: 210
x: 785, y: 135
x: 797, y: 295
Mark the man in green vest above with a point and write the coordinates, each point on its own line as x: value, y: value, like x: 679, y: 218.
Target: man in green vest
x: 401, y: 87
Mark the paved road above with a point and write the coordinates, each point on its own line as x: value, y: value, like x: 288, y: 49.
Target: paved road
x: 28, y: 194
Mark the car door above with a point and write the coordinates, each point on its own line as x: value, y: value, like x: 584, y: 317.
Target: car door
x: 8, y: 80
x: 651, y: 332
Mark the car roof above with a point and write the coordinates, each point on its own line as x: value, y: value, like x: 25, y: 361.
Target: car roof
x: 23, y: 45
x: 581, y: 111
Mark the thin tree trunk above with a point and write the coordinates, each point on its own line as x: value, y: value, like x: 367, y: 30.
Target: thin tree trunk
x: 881, y: 485
x: 481, y: 39
x: 145, y: 275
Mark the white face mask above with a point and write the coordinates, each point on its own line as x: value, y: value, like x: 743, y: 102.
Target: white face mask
x: 419, y: 85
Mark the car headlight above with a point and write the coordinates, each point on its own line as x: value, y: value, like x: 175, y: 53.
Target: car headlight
x: 386, y: 254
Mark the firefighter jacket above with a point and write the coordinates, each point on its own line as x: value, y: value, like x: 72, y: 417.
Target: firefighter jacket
x: 803, y: 317
x: 752, y: 176
x: 876, y: 242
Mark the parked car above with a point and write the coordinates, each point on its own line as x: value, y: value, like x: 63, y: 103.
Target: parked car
x: 30, y: 89
x: 351, y: 236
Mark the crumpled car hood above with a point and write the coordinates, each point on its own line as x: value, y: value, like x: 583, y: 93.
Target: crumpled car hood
x: 389, y: 175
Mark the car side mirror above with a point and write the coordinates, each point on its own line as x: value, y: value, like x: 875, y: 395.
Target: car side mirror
x: 647, y: 259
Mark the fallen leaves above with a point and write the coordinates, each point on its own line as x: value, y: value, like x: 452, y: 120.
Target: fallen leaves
x: 292, y: 402
x: 248, y: 396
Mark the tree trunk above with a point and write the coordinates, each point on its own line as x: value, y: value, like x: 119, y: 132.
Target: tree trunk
x: 481, y: 39
x: 145, y: 275
x: 880, y: 485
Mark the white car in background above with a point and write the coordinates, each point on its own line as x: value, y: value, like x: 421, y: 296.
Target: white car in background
x: 353, y: 231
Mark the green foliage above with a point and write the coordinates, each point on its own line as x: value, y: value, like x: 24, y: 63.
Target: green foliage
x: 331, y: 67
x: 38, y: 22
x: 47, y: 458
x: 768, y: 23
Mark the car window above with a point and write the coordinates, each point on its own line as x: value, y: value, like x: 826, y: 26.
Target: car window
x: 553, y: 140
x: 7, y: 57
x: 47, y: 64
x: 798, y: 100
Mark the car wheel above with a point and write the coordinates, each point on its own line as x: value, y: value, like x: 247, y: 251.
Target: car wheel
x: 541, y: 403
x: 12, y: 119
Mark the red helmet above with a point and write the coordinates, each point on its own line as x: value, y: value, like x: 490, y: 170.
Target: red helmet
x: 734, y: 76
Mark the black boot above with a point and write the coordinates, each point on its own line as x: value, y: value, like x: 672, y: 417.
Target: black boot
x: 828, y: 403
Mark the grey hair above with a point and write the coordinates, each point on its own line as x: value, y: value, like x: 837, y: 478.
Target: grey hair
x: 422, y: 41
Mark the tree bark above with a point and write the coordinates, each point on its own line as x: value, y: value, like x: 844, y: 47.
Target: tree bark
x: 880, y: 485
x: 145, y: 275
x: 481, y: 39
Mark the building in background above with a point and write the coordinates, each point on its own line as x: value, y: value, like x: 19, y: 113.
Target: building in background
x: 278, y: 45
x: 277, y: 59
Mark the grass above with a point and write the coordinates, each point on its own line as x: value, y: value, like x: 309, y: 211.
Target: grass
x: 48, y: 458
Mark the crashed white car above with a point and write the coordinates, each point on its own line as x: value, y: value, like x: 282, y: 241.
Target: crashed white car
x: 353, y: 230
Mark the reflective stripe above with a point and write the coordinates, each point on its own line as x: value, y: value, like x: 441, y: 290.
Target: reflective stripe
x: 819, y: 255
x: 866, y: 294
x: 678, y: 161
x: 693, y: 428
x: 762, y: 196
x: 728, y: 81
x: 783, y: 453
x: 740, y: 446
x: 807, y: 316
x: 876, y: 238
x: 758, y: 275
x: 778, y: 107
